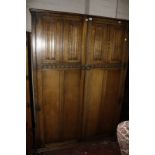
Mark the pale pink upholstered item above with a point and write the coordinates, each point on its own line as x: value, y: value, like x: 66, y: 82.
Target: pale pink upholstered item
x: 123, y: 137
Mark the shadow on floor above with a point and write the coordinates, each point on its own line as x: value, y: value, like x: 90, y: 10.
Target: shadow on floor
x: 102, y: 148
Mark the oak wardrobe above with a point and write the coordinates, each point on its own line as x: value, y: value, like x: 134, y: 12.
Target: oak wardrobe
x: 78, y: 71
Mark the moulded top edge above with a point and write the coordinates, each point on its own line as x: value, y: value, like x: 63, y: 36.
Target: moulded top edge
x: 33, y: 10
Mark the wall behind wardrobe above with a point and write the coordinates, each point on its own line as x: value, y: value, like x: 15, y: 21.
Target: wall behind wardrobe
x: 106, y: 8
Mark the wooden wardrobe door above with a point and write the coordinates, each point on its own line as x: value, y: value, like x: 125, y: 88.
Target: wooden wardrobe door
x: 104, y: 78
x: 58, y: 79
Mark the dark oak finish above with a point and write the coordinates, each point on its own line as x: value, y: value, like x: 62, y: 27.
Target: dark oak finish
x: 29, y: 129
x: 60, y: 38
x: 105, y: 41
x: 106, y: 44
x: 29, y: 103
x: 79, y: 68
x: 102, y: 101
x: 58, y: 100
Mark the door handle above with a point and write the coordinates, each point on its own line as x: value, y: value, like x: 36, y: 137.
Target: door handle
x: 90, y: 18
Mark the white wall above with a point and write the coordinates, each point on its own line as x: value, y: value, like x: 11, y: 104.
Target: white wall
x: 123, y: 9
x: 105, y: 8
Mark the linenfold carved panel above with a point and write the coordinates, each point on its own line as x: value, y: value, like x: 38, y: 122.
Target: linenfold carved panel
x: 52, y: 39
x: 116, y: 40
x: 72, y: 37
x: 98, y: 43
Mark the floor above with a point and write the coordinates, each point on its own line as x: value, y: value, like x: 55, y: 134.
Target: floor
x: 97, y: 148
